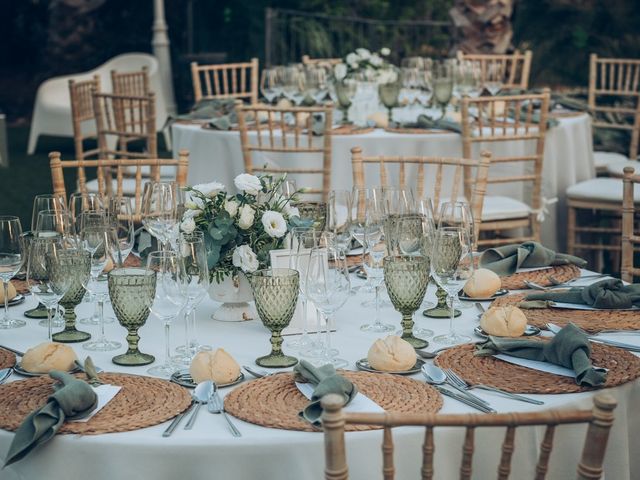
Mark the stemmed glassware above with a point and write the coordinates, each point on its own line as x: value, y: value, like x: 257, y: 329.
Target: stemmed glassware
x: 494, y: 78
x: 169, y: 299
x: 294, y: 84
x: 121, y: 228
x: 46, y: 201
x: 442, y: 85
x: 84, y: 202
x: 299, y: 261
x: 161, y: 211
x: 389, y: 94
x: 11, y: 260
x: 328, y: 286
x: 276, y: 295
x: 51, y: 223
x: 451, y: 267
x: 316, y: 83
x: 45, y: 286
x: 338, y: 218
x: 345, y: 91
x: 270, y: 83
x: 196, y: 286
x: 132, y: 291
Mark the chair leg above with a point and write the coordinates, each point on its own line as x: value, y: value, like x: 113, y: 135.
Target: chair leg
x: 33, y: 139
x: 166, y: 133
x: 571, y: 230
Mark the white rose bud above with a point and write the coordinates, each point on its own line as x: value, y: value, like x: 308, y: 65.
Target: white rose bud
x: 274, y: 224
x: 248, y: 183
x: 188, y: 225
x: 352, y: 58
x: 209, y: 190
x: 385, y: 51
x: 245, y: 259
x: 247, y: 215
x: 231, y: 206
x: 363, y: 53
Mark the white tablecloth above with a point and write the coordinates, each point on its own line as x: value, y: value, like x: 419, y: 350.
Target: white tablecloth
x: 209, y: 451
x: 568, y: 159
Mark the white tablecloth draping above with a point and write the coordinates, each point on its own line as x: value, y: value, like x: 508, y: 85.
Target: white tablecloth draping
x: 568, y: 159
x: 209, y: 451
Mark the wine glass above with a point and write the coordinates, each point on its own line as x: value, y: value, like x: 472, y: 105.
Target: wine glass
x: 96, y: 239
x: 46, y: 201
x: 316, y: 212
x: 425, y: 84
x: 160, y: 211
x: 270, y: 86
x: 328, y: 287
x: 494, y: 78
x: 410, y: 85
x: 389, y: 94
x: 196, y: 286
x: 48, y: 289
x: 275, y: 292
x: 84, y: 202
x: 52, y: 223
x: 122, y: 229
x: 294, y: 84
x: 299, y: 261
x: 442, y: 85
x: 345, y: 91
x: 169, y: 299
x: 451, y: 267
x: 424, y: 207
x: 10, y: 262
x: 338, y: 218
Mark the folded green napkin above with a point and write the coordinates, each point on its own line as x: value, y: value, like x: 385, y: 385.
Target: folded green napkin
x: 570, y: 348
x: 71, y: 399
x: 609, y: 293
x: 326, y: 381
x: 429, y: 123
x: 571, y: 103
x: 507, y: 259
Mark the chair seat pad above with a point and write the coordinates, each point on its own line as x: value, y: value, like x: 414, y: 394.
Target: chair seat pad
x: 167, y: 172
x: 128, y: 186
x: 617, y: 169
x: 604, y: 159
x: 503, y: 208
x: 600, y: 189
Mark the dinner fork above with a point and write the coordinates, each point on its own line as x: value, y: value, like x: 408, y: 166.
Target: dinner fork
x: 215, y: 405
x: 557, y: 282
x: 257, y: 372
x: 460, y: 382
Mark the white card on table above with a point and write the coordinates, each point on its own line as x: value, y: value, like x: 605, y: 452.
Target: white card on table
x: 105, y: 395
x: 360, y: 404
x: 578, y: 306
x: 536, y: 365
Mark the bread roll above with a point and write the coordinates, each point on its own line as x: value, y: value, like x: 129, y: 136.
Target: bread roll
x: 380, y: 119
x: 218, y: 366
x: 12, y: 292
x: 391, y: 354
x: 507, y: 321
x: 482, y: 284
x: 49, y: 356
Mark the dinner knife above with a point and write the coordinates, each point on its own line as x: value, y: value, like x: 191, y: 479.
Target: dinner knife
x: 17, y: 352
x: 612, y: 343
x: 463, y: 399
x: 176, y: 421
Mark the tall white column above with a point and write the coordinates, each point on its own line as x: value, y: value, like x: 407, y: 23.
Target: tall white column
x: 162, y: 52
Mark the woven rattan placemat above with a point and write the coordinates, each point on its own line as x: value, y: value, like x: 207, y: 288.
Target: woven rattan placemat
x: 565, y: 114
x: 560, y: 273
x: 351, y: 130
x: 142, y: 402
x: 275, y: 401
x: 7, y: 358
x: 592, y: 321
x: 21, y: 286
x: 623, y: 367
x: 415, y: 131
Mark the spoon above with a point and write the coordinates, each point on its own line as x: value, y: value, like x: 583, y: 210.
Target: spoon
x: 5, y: 373
x: 480, y: 307
x: 435, y: 375
x: 425, y: 354
x: 201, y: 396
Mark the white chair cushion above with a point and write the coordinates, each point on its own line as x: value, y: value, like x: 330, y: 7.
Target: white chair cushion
x: 616, y: 169
x: 167, y: 172
x: 604, y: 159
x: 602, y: 189
x: 503, y: 208
x: 128, y: 186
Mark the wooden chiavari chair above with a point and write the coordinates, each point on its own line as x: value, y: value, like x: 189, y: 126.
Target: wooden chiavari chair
x: 443, y: 190
x: 288, y: 131
x: 630, y: 221
x: 81, y: 114
x: 307, y: 60
x: 131, y: 83
x: 599, y: 421
x: 227, y: 80
x: 615, y: 79
x: 122, y: 185
x: 516, y: 66
x: 490, y: 124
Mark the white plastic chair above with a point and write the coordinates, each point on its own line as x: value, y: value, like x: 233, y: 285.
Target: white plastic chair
x: 52, y: 110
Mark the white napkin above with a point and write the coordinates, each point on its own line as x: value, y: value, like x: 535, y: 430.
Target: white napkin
x: 578, y: 306
x: 536, y: 365
x: 105, y: 395
x: 360, y: 404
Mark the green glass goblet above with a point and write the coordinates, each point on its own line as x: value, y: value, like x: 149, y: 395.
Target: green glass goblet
x: 441, y: 310
x: 38, y: 312
x: 388, y: 93
x: 77, y: 265
x: 276, y: 294
x: 407, y: 279
x: 315, y: 212
x: 132, y: 291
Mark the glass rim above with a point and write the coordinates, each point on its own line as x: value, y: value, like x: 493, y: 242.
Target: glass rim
x: 131, y: 271
x: 269, y: 273
x: 9, y: 218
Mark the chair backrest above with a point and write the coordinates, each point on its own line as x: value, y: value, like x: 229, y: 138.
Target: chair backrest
x: 287, y: 131
x: 599, y: 422
x: 307, y: 60
x: 82, y: 111
x: 128, y: 118
x: 515, y: 118
x: 122, y: 169
x: 131, y: 83
x: 226, y: 80
x: 629, y: 236
x: 615, y: 79
x: 453, y: 167
x: 515, y: 66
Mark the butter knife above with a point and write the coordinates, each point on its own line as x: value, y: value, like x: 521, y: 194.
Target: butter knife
x: 463, y: 399
x: 176, y: 421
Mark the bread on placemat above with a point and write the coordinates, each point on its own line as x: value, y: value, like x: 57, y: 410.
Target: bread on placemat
x: 482, y: 284
x: 391, y: 354
x: 12, y: 293
x: 507, y: 321
x: 49, y: 356
x: 218, y: 366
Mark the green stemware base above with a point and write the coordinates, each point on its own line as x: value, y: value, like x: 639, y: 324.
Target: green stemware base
x: 71, y: 335
x: 38, y: 312
x: 276, y: 361
x: 133, y: 359
x: 415, y: 342
x: 439, y: 312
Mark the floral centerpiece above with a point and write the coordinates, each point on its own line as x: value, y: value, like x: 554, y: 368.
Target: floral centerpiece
x: 370, y: 66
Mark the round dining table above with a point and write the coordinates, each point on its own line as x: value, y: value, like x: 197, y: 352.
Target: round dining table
x: 210, y: 451
x: 568, y: 159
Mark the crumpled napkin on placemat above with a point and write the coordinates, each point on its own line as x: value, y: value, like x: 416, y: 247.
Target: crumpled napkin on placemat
x: 72, y: 399
x: 607, y: 294
x: 326, y: 381
x: 569, y: 348
x: 429, y: 123
x: 508, y: 259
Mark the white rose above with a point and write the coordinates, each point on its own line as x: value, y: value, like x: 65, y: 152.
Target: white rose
x: 340, y: 71
x: 352, y: 58
x: 385, y: 51
x: 188, y: 225
x: 274, y: 224
x: 191, y: 214
x: 354, y: 65
x: 363, y: 53
x: 291, y: 211
x: 246, y: 217
x: 245, y: 259
x: 209, y: 189
x: 248, y: 183
x: 375, y: 60
x: 193, y: 202
x: 231, y: 206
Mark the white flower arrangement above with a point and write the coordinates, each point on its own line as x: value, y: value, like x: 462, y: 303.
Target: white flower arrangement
x: 370, y: 64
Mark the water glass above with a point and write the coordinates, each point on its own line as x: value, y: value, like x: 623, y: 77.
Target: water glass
x: 338, y: 218
x: 11, y: 259
x: 46, y: 201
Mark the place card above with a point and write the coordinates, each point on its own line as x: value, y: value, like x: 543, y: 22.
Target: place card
x: 360, y: 403
x: 536, y: 365
x: 105, y: 395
